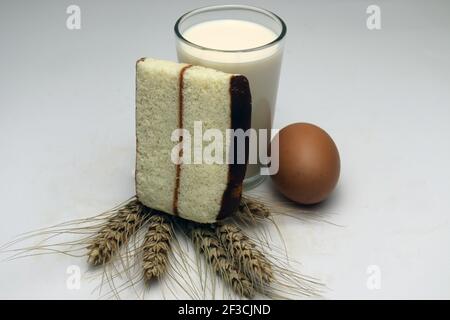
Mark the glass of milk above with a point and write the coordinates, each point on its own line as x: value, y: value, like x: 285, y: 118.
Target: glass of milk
x: 237, y: 39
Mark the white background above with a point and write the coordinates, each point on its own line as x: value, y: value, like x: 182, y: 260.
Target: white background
x: 67, y: 132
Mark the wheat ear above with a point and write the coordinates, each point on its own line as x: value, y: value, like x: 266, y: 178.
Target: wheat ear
x: 252, y: 209
x: 244, y: 252
x: 206, y: 241
x: 156, y: 246
x: 116, y: 232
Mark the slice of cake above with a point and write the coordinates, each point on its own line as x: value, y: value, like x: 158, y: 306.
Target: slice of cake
x: 172, y: 96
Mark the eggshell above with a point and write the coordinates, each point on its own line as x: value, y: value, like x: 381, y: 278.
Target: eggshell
x: 309, y: 163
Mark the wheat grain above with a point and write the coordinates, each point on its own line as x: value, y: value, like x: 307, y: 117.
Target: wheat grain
x: 206, y: 241
x: 116, y: 232
x: 252, y: 209
x: 156, y: 246
x: 244, y: 252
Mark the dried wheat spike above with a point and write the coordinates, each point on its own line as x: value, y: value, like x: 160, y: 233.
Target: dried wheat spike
x: 253, y: 209
x: 156, y: 246
x: 116, y: 232
x: 206, y: 241
x: 244, y: 252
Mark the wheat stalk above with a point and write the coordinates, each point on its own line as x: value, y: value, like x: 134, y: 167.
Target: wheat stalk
x: 206, y: 241
x: 252, y: 209
x: 156, y: 246
x: 116, y: 232
x: 244, y: 252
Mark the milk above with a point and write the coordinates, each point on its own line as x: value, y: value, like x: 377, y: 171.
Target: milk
x: 261, y: 67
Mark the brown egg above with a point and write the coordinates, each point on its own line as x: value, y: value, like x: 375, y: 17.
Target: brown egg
x: 309, y: 163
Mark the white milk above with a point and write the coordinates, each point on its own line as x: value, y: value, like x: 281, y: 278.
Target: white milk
x: 261, y: 67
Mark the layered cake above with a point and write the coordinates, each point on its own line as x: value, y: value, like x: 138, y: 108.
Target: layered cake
x: 172, y: 96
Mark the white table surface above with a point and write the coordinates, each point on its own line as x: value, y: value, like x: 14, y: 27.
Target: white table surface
x: 67, y: 132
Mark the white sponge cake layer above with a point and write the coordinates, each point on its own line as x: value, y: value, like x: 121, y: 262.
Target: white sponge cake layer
x: 157, y: 99
x: 172, y: 96
x: 206, y: 98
